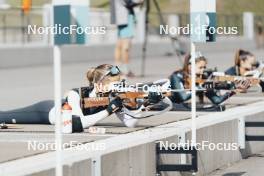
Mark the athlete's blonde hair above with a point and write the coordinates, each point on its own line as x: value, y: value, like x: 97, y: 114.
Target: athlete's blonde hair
x: 96, y: 75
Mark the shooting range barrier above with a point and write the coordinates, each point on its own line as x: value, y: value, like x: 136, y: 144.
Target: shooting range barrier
x: 135, y: 153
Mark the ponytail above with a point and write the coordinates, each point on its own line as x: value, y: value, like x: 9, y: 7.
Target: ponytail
x: 237, y: 57
x: 90, y: 75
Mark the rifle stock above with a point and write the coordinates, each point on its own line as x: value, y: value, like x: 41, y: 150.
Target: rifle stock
x: 129, y: 99
x: 253, y: 81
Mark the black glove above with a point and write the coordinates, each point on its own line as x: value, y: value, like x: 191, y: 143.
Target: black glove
x: 242, y: 84
x: 154, y: 97
x: 114, y: 105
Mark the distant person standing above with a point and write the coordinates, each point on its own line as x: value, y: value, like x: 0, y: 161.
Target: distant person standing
x: 123, y: 15
x: 259, y: 34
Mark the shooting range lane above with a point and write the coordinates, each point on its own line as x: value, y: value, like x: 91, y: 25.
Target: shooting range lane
x: 21, y: 88
x: 14, y: 141
x: 203, y: 122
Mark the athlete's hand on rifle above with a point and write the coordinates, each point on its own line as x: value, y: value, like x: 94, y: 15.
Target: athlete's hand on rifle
x: 115, y: 105
x: 154, y: 97
x: 242, y: 85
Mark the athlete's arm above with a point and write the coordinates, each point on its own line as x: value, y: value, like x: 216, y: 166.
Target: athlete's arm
x: 90, y: 120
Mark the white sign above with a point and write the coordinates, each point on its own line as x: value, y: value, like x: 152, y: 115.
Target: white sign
x: 203, y: 17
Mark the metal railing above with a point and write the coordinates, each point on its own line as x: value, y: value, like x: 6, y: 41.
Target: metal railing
x: 13, y: 24
x: 42, y: 162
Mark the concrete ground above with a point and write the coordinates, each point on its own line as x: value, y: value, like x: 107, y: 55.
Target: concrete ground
x: 15, y: 140
x: 251, y: 166
x: 27, y: 85
x: 22, y: 86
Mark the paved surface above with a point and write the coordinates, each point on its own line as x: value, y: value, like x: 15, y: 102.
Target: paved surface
x: 252, y: 166
x: 24, y: 86
x: 15, y: 141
